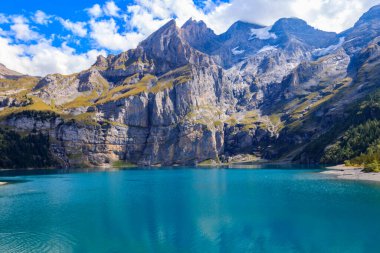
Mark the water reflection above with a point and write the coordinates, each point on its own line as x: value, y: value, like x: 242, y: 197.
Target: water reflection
x: 190, y: 211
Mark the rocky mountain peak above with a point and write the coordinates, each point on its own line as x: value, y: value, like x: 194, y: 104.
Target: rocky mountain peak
x: 170, y: 29
x: 101, y: 62
x: 290, y: 24
x: 287, y: 29
x: 165, y: 38
x: 241, y: 28
x: 198, y: 35
x: 169, y: 50
x: 194, y: 24
x: 241, y: 25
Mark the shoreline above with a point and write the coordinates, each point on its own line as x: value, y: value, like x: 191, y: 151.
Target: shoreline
x: 351, y: 173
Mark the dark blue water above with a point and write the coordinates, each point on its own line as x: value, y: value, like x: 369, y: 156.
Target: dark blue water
x: 189, y: 210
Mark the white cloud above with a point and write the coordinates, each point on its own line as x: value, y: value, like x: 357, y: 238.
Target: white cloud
x: 329, y: 15
x: 95, y: 11
x: 77, y: 28
x: 106, y: 35
x: 41, y: 18
x: 43, y: 58
x: 209, y: 6
x: 3, y: 19
x: 22, y: 30
x: 143, y: 21
x: 3, y: 33
x: 148, y: 14
x: 111, y: 9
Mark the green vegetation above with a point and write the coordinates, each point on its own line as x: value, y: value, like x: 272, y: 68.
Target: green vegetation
x: 122, y: 164
x: 249, y: 118
x: 369, y: 159
x: 36, y: 104
x: 206, y: 115
x: 87, y: 118
x: 374, y: 166
x: 307, y: 105
x: 218, y: 123
x: 354, y: 139
x: 354, y: 142
x: 162, y: 85
x: 23, y: 83
x: 37, y: 115
x: 232, y: 121
x: 175, y: 77
x: 210, y: 162
x: 82, y: 101
x: 127, y: 89
x: 31, y: 150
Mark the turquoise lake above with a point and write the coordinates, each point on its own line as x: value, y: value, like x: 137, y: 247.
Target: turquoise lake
x: 188, y: 210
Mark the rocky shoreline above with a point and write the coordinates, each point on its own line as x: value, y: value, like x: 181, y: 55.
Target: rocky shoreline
x: 351, y: 173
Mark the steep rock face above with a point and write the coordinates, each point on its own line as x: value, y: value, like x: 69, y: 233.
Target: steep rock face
x: 312, y: 76
x: 73, y: 143
x: 199, y: 36
x: 160, y: 121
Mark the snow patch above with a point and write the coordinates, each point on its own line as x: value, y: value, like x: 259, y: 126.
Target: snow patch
x: 267, y: 48
x: 328, y: 50
x: 236, y: 51
x: 262, y: 34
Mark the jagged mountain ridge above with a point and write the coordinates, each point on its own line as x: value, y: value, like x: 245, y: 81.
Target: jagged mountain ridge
x: 244, y: 39
x: 186, y: 95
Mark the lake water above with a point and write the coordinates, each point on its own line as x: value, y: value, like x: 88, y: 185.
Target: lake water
x: 189, y: 210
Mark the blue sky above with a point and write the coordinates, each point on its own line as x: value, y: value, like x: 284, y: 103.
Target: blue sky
x: 40, y: 37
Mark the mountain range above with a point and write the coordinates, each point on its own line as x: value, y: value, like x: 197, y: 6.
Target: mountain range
x: 282, y: 93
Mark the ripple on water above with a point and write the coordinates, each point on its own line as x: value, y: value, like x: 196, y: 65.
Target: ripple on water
x: 36, y: 242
